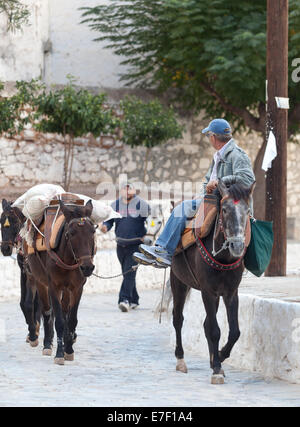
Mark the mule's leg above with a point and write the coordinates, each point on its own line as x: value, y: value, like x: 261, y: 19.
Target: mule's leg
x: 70, y: 336
x: 23, y: 299
x: 49, y: 333
x: 207, y: 335
x: 179, y: 291
x: 59, y: 325
x: 47, y: 313
x: 232, y: 306
x: 37, y: 312
x: 30, y: 314
x: 22, y: 285
x: 212, y: 332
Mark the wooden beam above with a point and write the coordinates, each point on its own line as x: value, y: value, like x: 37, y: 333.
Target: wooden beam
x: 277, y: 121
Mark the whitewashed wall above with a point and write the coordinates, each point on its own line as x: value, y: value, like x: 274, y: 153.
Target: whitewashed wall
x: 21, y: 52
x: 269, y: 341
x: 106, y: 264
x: 75, y: 52
x: 56, y: 44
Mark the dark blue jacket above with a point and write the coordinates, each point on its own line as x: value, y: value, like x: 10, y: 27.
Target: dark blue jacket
x: 131, y: 227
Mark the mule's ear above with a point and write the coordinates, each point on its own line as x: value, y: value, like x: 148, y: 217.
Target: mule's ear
x: 5, y: 204
x: 65, y: 210
x: 89, y: 209
x: 222, y: 188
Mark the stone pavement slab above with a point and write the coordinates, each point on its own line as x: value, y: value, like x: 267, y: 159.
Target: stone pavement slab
x: 122, y: 359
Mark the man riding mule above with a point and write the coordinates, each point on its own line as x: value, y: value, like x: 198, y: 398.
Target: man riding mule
x: 230, y: 163
x: 213, y: 263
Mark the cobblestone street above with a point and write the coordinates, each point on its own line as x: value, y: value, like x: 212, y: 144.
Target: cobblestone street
x: 122, y: 359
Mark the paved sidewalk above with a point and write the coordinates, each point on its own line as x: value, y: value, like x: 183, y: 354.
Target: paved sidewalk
x: 122, y: 359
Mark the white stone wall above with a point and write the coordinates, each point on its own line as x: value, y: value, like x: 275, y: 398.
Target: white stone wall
x: 106, y: 264
x: 32, y: 158
x: 269, y: 341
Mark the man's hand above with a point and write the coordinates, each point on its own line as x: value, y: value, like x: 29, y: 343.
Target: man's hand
x: 211, y: 186
x: 103, y: 228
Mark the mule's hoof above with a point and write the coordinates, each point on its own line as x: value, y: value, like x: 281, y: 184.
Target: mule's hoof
x: 27, y: 339
x: 69, y: 357
x: 217, y: 379
x: 181, y: 366
x: 47, y: 352
x: 33, y: 343
x: 59, y: 361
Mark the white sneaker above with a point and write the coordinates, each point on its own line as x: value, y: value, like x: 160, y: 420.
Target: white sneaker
x: 133, y: 305
x: 124, y: 306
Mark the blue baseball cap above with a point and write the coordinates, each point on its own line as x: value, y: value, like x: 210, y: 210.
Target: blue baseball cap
x: 219, y: 126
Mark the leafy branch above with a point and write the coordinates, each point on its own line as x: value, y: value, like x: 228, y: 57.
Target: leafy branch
x: 16, y: 12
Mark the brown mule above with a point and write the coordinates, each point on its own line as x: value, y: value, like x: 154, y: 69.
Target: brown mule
x: 61, y: 274
x: 214, y: 266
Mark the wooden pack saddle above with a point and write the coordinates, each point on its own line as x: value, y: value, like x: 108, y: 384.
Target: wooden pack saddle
x: 201, y: 224
x: 52, y: 224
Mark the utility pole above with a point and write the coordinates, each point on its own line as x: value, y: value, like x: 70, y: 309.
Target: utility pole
x: 277, y: 84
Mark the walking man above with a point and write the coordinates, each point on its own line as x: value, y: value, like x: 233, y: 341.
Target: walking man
x: 130, y: 231
x: 230, y: 163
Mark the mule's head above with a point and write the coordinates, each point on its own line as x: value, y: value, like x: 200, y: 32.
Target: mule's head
x: 234, y: 212
x: 80, y: 235
x: 11, y: 221
x: 153, y: 223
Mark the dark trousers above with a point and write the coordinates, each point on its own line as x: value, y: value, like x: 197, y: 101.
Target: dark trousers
x: 128, y: 288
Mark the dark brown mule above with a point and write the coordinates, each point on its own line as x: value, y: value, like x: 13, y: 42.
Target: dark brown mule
x: 61, y: 274
x: 12, y: 220
x: 214, y: 275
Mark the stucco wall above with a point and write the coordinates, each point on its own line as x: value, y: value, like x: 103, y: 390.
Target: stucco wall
x: 21, y: 52
x: 54, y: 45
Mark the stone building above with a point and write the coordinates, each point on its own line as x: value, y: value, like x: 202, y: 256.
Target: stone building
x: 55, y: 45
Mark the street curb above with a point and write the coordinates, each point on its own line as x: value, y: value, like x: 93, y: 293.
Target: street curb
x: 270, y: 335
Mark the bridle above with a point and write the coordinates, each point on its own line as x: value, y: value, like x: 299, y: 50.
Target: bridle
x: 10, y: 243
x: 78, y: 260
x: 219, y: 227
x: 207, y: 257
x: 80, y: 222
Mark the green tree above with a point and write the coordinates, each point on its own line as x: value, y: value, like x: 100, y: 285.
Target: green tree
x: 17, y: 14
x: 13, y: 109
x: 210, y: 54
x: 148, y: 124
x: 69, y: 112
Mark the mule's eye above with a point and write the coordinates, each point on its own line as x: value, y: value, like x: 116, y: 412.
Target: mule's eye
x: 224, y: 211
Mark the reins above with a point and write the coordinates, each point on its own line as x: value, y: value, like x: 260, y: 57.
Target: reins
x: 55, y: 257
x: 207, y: 257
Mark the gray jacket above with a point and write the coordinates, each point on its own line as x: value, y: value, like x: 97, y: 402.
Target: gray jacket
x: 234, y: 167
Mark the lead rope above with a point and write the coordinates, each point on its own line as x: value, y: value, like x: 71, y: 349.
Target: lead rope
x: 133, y: 268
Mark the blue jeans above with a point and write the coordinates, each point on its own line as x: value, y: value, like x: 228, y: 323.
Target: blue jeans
x: 171, y: 234
x: 128, y: 289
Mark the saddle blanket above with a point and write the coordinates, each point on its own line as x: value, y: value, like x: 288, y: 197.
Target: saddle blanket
x: 201, y: 224
x: 51, y: 227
